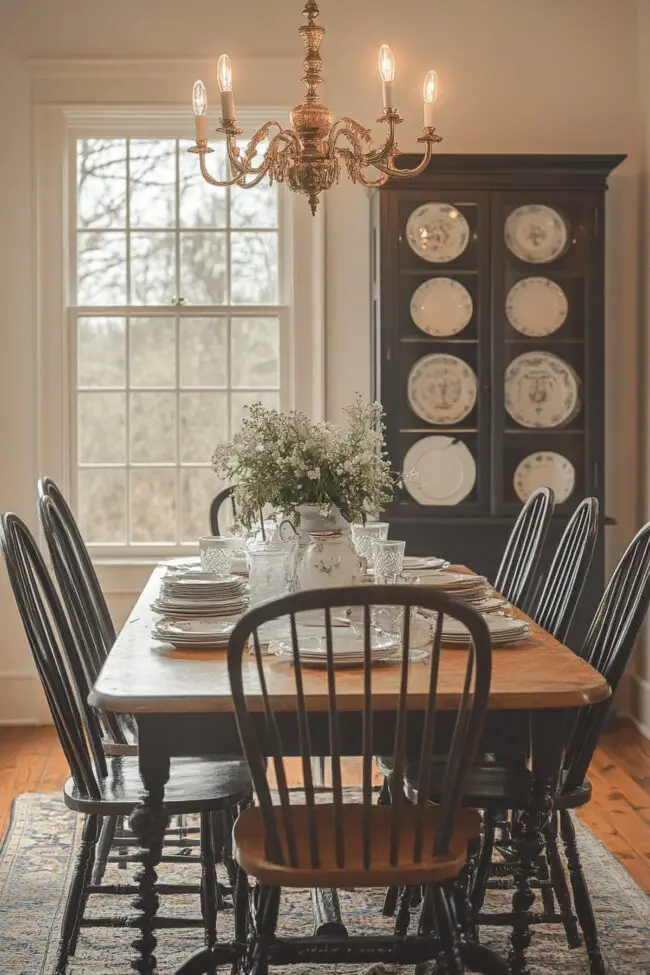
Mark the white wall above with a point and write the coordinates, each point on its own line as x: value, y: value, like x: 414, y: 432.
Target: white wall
x: 533, y: 76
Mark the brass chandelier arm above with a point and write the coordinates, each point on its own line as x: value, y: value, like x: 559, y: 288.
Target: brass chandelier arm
x: 389, y: 147
x: 398, y: 173
x: 236, y: 180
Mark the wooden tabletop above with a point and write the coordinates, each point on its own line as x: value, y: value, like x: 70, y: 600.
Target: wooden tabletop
x: 138, y: 678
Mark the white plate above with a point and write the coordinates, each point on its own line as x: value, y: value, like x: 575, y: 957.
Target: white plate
x: 442, y: 307
x: 344, y: 644
x: 545, y: 469
x: 422, y: 562
x: 536, y: 307
x: 444, y: 471
x: 437, y: 232
x: 541, y: 390
x: 536, y: 234
x: 442, y: 389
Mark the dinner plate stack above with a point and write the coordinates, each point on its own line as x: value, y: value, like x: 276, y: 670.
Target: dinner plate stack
x: 194, y: 634
x: 504, y: 632
x: 196, y: 594
x: 348, y: 648
x: 473, y: 589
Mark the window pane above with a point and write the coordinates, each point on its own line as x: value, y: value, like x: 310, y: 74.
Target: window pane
x: 102, y: 428
x: 101, y: 506
x: 202, y: 205
x: 255, y: 352
x: 254, y: 268
x: 240, y: 400
x: 152, y: 352
x: 203, y: 268
x: 198, y: 488
x: 152, y: 182
x: 254, y: 208
x: 101, y: 268
x: 153, y: 505
x: 101, y: 183
x: 101, y: 352
x: 153, y: 268
x: 153, y: 428
x: 204, y: 351
x: 204, y: 424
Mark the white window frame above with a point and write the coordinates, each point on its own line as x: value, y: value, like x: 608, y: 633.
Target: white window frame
x: 56, y: 128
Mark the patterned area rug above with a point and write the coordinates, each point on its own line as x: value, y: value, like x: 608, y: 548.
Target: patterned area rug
x: 36, y: 864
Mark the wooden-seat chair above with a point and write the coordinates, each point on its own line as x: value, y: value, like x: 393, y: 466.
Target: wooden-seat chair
x: 356, y: 843
x: 102, y: 787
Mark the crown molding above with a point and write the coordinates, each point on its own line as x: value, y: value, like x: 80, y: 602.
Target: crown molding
x: 134, y: 68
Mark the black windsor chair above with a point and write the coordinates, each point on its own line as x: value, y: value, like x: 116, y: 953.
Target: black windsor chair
x: 608, y: 647
x: 215, y: 507
x: 101, y: 787
x: 521, y: 557
x: 355, y: 843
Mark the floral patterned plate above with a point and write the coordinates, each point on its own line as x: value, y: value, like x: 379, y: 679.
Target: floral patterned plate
x: 442, y: 389
x: 441, y: 306
x: 541, y: 390
x: 545, y: 469
x: 536, y: 307
x: 437, y: 232
x: 536, y: 234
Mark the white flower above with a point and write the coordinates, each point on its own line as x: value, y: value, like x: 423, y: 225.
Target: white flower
x: 314, y: 474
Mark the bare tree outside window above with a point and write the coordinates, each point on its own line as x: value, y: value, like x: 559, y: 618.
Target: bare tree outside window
x: 177, y: 325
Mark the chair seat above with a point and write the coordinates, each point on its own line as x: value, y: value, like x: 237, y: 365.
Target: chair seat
x: 195, y: 785
x: 251, y: 854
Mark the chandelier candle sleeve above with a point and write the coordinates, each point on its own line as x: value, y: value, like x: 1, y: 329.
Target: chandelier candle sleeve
x: 200, y: 107
x: 224, y: 74
x: 387, y: 72
x: 430, y: 95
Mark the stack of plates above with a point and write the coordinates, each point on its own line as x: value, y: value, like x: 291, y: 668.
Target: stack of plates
x: 194, y: 634
x: 473, y: 589
x: 504, y: 632
x: 348, y: 649
x: 194, y: 593
x: 423, y: 563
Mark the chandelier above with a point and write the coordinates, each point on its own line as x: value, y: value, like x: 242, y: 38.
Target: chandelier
x: 309, y: 156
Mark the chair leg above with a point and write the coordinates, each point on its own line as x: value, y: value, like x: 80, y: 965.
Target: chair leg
x: 267, y: 918
x: 560, y: 886
x: 482, y: 874
x: 581, y: 898
x: 447, y: 927
x: 528, y: 842
x: 208, y: 881
x: 106, y: 836
x: 76, y: 901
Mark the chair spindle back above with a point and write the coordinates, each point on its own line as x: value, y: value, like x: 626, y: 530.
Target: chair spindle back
x: 261, y: 735
x: 228, y: 494
x: 524, y: 547
x: 568, y: 571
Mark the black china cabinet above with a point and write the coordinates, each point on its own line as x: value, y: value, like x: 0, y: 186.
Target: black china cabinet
x: 488, y: 346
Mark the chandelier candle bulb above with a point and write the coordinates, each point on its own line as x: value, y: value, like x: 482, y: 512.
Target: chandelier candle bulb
x: 224, y: 75
x: 430, y: 95
x: 200, y: 107
x: 387, y: 72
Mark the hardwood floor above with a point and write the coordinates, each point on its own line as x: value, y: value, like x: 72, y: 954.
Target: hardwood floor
x: 619, y: 813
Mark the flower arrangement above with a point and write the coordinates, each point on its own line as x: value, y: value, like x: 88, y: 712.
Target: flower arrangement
x: 285, y: 460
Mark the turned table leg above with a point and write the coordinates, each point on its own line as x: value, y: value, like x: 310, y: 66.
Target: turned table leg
x: 148, y: 822
x: 547, y: 749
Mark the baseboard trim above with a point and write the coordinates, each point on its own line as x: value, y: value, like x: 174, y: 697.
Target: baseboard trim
x: 635, y: 701
x: 22, y: 701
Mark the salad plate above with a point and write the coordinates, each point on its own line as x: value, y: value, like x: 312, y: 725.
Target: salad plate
x: 536, y: 307
x: 441, y: 307
x: 536, y: 234
x: 437, y: 232
x: 442, y: 389
x: 545, y: 469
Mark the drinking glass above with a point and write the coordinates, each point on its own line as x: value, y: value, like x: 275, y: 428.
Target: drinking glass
x: 268, y: 569
x: 364, y: 536
x: 388, y: 559
x: 216, y: 554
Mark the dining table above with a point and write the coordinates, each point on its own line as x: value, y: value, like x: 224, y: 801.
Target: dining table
x: 183, y: 706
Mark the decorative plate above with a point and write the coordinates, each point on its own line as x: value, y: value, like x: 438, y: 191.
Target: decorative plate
x: 441, y: 306
x: 545, y: 469
x: 437, y: 232
x: 442, y: 389
x: 443, y: 471
x: 536, y: 307
x: 536, y: 234
x: 541, y: 390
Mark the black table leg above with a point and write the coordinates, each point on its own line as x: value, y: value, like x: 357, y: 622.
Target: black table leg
x: 327, y: 913
x: 148, y: 822
x: 547, y: 750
